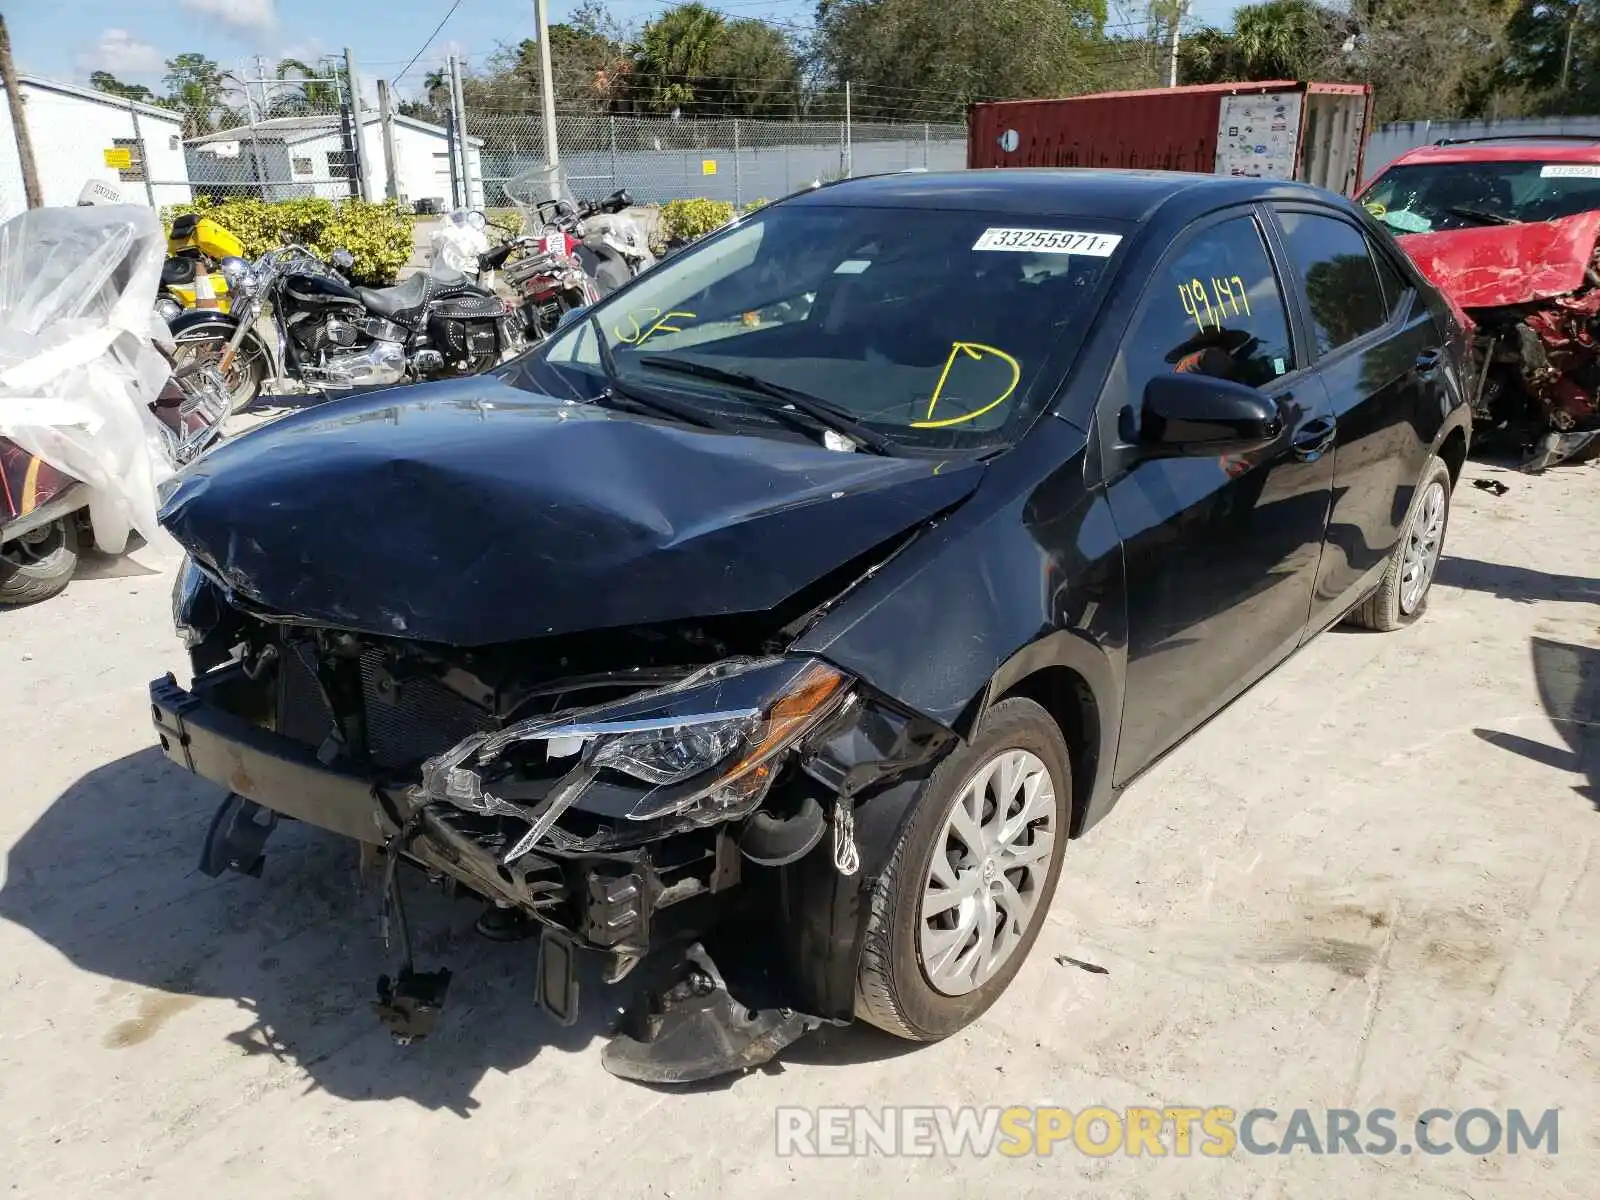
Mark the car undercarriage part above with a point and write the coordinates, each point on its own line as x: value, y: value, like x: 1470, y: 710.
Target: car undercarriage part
x: 237, y: 835
x: 408, y: 1004
x: 695, y: 1030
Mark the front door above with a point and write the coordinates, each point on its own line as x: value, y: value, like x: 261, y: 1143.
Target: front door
x: 1220, y: 553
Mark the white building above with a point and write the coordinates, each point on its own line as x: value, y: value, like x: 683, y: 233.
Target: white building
x: 289, y: 157
x: 79, y: 134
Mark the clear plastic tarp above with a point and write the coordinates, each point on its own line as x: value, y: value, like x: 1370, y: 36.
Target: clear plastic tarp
x: 458, y: 241
x: 81, y: 356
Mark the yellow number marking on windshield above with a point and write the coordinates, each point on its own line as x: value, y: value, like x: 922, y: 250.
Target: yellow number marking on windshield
x: 973, y: 350
x: 641, y: 334
x: 1376, y: 209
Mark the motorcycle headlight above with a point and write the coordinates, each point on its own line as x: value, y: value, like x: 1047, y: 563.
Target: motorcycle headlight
x: 241, y: 276
x: 708, y: 747
x: 168, y: 309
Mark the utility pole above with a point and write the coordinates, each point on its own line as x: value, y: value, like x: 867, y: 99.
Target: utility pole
x: 19, y: 121
x: 391, y: 186
x: 460, y: 106
x: 547, y: 84
x: 849, y: 136
x: 1572, y: 28
x: 359, y: 142
x: 1179, y: 11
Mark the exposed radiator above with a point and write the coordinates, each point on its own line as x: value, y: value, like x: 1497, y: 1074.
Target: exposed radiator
x: 407, y: 720
x: 412, y: 719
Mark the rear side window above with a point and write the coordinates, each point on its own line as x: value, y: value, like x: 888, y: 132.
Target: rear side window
x: 1335, y: 267
x: 1395, y: 287
x: 1213, y: 309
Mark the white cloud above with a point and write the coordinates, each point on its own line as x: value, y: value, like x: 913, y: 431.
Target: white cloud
x: 237, y: 16
x: 118, y: 52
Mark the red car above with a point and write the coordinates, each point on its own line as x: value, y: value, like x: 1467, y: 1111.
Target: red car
x: 1506, y: 228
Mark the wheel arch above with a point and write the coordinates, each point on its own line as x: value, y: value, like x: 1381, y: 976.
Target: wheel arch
x: 1453, y: 450
x: 1071, y: 678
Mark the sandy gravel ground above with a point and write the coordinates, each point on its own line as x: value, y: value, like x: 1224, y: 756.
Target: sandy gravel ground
x: 1372, y: 883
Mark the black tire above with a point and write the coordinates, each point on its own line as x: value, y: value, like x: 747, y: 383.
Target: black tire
x: 892, y: 988
x: 1383, y: 610
x: 40, y: 569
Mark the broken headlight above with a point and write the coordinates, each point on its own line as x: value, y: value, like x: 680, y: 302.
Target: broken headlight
x: 710, y: 745
x: 707, y: 747
x: 195, y: 605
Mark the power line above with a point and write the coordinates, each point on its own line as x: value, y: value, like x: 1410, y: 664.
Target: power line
x: 429, y: 42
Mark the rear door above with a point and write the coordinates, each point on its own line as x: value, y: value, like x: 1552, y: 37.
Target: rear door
x: 1379, y: 354
x: 1220, y: 552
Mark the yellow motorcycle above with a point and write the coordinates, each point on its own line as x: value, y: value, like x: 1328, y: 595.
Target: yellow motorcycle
x: 197, y: 272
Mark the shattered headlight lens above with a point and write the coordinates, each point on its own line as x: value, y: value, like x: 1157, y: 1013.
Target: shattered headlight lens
x: 186, y: 597
x: 675, y: 753
x: 708, y: 746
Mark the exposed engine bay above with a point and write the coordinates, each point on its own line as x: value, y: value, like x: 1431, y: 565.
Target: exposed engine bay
x: 1538, y: 387
x: 618, y: 795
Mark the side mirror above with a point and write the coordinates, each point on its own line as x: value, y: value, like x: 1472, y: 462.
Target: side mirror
x: 1202, y: 415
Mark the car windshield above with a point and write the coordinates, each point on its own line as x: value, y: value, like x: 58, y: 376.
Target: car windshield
x: 1431, y: 197
x: 923, y: 328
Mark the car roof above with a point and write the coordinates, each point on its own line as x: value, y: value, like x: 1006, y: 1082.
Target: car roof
x: 1529, y: 149
x: 1103, y: 192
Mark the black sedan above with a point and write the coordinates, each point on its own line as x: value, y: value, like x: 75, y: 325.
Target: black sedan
x: 799, y: 602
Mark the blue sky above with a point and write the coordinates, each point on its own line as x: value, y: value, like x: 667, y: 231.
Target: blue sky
x: 67, y: 39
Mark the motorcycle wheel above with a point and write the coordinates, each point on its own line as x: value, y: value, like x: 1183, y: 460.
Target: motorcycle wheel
x: 245, y: 375
x: 39, y: 564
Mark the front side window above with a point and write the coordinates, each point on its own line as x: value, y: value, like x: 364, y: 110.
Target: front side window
x: 933, y: 328
x: 1432, y: 197
x: 1334, y: 265
x: 1215, y: 308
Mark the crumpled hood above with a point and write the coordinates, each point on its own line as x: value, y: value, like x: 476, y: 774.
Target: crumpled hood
x: 1506, y: 264
x: 472, y: 513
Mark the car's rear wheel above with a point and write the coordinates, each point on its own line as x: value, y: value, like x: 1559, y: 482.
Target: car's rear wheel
x: 1402, y: 596
x: 956, y: 912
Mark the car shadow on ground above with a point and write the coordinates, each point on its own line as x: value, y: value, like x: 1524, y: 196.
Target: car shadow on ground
x: 109, y: 877
x: 1568, y: 679
x: 1521, y: 584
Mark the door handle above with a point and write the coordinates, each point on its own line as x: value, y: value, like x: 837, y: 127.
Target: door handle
x: 1315, y: 438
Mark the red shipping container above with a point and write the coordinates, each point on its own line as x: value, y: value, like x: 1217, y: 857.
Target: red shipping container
x: 1315, y: 132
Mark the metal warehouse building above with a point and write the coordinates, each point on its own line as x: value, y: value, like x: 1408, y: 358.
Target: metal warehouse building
x: 79, y: 134
x: 287, y: 158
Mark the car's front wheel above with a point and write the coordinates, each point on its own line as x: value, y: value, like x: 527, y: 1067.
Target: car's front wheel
x: 968, y: 885
x: 1402, y: 595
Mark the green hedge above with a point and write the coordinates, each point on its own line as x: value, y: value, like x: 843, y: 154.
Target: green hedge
x: 378, y: 234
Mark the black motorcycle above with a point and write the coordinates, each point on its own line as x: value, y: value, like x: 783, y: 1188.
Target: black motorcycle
x: 330, y: 335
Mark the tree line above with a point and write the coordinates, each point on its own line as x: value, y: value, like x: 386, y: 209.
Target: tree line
x: 927, y: 60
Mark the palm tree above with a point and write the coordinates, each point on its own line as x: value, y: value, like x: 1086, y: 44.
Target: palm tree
x: 436, y: 86
x: 314, y: 89
x: 1272, y: 40
x: 677, y: 51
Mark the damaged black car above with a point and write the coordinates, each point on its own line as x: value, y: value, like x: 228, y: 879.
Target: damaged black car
x: 803, y: 599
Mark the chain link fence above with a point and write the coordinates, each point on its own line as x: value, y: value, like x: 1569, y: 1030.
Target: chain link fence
x: 737, y: 160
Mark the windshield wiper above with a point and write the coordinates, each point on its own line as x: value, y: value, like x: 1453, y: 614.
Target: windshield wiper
x: 822, y: 412
x: 638, y: 401
x: 1478, y: 214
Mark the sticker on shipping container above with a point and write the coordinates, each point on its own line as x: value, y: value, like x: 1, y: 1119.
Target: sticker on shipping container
x: 1570, y: 171
x: 1048, y: 241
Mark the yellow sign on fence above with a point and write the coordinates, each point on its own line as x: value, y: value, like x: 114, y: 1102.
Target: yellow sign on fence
x: 708, y: 166
x: 121, y: 158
